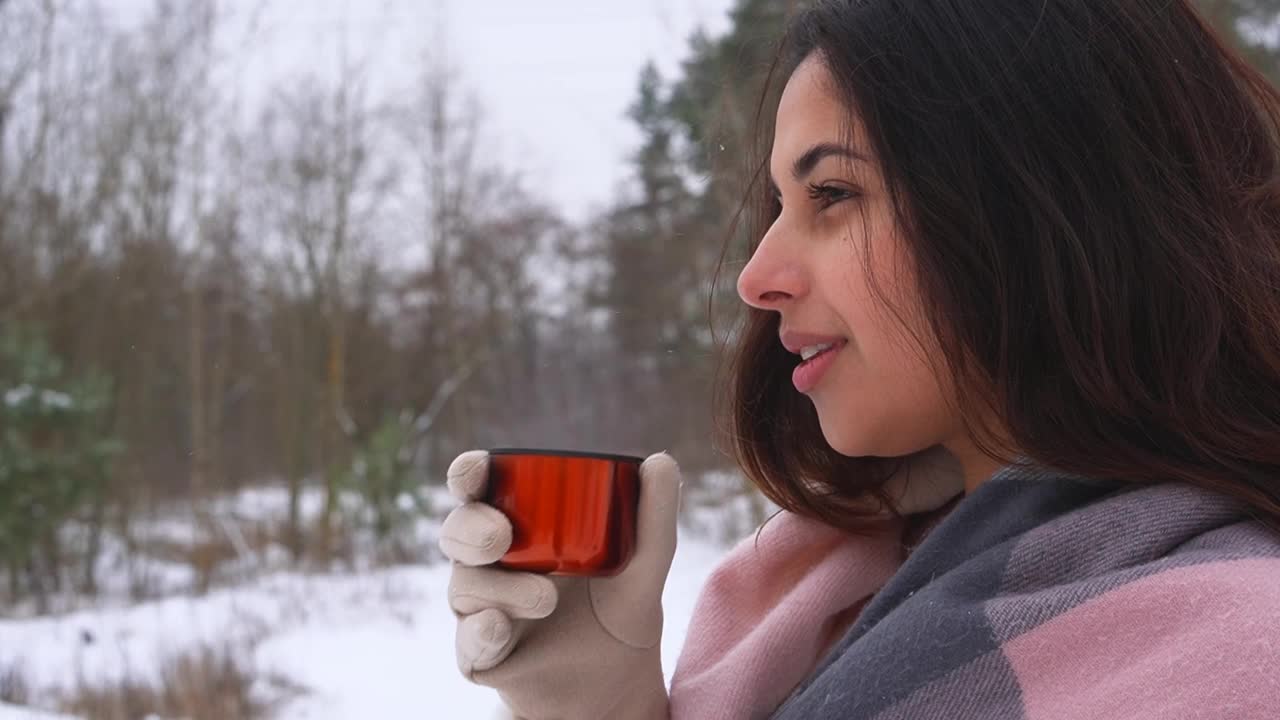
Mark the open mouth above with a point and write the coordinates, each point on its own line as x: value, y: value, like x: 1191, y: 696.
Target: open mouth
x: 810, y: 354
x: 815, y: 360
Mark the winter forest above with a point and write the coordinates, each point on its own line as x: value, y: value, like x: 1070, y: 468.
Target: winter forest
x: 244, y: 330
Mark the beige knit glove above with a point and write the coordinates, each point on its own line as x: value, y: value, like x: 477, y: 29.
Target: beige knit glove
x: 561, y: 648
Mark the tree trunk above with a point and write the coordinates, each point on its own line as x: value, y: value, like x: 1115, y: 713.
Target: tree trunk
x: 36, y: 582
x: 216, y: 478
x: 199, y: 431
x: 336, y: 379
x: 289, y: 413
x: 89, y: 580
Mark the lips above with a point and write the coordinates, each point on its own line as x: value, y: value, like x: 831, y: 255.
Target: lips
x: 808, y: 373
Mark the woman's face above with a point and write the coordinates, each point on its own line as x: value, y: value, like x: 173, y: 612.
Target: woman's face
x: 874, y: 391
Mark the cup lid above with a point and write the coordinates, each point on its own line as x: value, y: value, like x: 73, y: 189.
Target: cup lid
x: 567, y: 453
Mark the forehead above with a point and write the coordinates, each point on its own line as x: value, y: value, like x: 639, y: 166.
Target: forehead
x: 810, y: 112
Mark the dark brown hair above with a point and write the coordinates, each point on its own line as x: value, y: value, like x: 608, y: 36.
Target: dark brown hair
x: 1088, y: 191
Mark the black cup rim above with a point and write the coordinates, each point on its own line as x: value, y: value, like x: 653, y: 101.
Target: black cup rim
x: 567, y: 453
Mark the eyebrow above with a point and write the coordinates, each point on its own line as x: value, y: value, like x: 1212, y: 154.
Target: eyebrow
x: 809, y: 159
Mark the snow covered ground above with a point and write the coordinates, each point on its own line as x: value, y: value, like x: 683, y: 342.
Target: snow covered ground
x: 376, y: 643
x: 13, y: 712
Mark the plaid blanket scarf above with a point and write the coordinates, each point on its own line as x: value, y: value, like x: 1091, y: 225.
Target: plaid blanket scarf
x: 1045, y: 596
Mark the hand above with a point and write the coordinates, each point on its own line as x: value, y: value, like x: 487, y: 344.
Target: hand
x: 561, y: 647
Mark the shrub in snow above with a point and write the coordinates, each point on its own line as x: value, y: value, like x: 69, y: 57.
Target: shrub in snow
x: 55, y: 449
x: 384, y: 477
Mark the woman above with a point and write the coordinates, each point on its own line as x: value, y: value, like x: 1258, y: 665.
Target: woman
x: 1012, y: 371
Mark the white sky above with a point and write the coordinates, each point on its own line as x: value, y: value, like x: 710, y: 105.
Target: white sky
x: 555, y: 76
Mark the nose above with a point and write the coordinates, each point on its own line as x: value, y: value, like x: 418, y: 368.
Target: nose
x: 771, y: 279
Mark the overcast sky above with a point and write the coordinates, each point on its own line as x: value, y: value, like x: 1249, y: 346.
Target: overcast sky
x: 554, y: 76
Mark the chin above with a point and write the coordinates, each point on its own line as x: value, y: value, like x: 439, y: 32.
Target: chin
x: 855, y: 440
x: 847, y: 441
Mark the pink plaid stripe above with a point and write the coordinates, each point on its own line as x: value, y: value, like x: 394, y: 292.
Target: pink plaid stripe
x: 1189, y: 642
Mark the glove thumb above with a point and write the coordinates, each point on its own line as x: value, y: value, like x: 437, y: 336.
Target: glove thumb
x: 629, y: 605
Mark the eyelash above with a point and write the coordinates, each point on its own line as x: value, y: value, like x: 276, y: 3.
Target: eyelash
x: 825, y: 195
x: 828, y: 195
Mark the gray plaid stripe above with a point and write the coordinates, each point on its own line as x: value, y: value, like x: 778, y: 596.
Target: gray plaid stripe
x: 1120, y: 540
x: 985, y: 689
x: 928, y: 623
x: 1023, y: 548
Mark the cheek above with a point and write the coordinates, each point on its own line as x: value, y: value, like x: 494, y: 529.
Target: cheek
x: 887, y: 400
x: 888, y: 404
x: 880, y: 302
x: 859, y: 286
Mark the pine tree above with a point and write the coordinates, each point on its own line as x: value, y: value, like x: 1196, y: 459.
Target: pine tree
x: 647, y: 265
x: 661, y: 243
x: 54, y: 461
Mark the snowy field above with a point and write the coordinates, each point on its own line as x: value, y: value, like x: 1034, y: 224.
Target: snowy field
x: 376, y: 643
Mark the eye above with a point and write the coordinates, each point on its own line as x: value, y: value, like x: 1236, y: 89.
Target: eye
x: 828, y: 195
